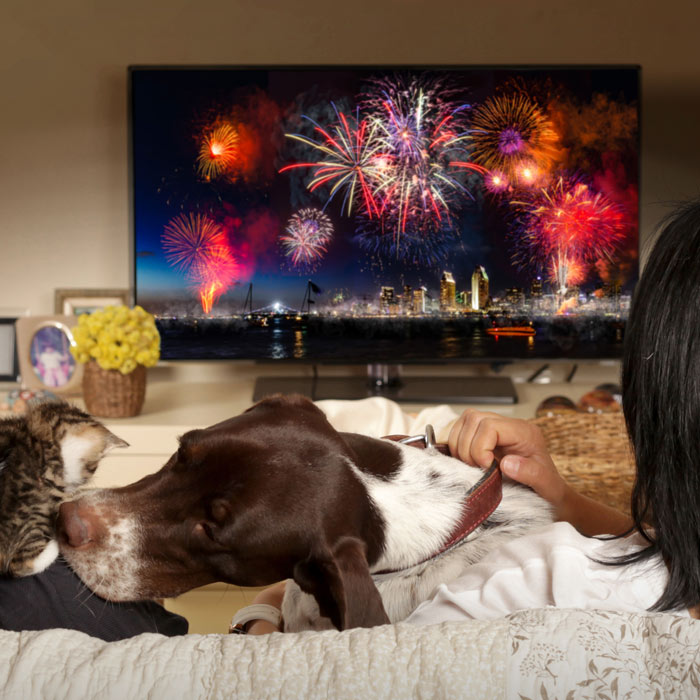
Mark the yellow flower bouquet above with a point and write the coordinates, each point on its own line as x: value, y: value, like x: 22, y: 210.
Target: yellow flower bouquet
x: 117, y: 338
x: 116, y: 344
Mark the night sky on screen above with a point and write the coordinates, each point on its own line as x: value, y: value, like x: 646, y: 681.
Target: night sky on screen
x: 359, y: 178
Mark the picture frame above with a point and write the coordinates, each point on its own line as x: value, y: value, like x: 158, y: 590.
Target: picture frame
x: 73, y: 302
x: 9, y: 365
x: 44, y: 357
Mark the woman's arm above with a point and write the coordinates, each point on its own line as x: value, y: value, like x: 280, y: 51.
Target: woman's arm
x: 590, y: 517
x: 478, y: 437
x: 270, y: 596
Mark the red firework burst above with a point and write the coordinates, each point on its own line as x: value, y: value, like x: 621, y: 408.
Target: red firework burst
x: 569, y: 226
x: 198, y: 245
x: 212, y: 277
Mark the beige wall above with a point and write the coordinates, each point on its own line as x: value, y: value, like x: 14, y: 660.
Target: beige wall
x: 63, y: 173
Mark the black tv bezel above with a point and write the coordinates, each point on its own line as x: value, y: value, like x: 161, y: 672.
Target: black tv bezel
x: 131, y: 69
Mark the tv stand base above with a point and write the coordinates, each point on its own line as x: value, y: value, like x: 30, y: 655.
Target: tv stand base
x: 477, y: 390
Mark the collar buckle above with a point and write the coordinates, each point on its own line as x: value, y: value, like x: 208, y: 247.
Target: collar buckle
x: 428, y: 438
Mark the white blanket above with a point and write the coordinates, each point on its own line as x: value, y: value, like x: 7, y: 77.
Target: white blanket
x: 378, y: 417
x: 532, y: 654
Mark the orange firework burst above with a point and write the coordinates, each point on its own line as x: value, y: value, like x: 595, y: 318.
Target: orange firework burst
x: 198, y: 245
x: 211, y: 277
x: 566, y: 271
x: 567, y: 305
x: 218, y: 151
x: 512, y: 137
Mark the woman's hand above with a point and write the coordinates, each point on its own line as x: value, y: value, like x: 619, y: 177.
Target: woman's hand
x: 478, y: 437
x: 272, y: 595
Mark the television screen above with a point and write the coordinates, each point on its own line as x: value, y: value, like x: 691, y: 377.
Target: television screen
x: 387, y: 214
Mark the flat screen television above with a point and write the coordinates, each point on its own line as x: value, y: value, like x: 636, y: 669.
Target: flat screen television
x: 386, y: 215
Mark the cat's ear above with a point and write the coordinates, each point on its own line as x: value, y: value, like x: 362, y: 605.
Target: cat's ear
x: 111, y: 440
x: 82, y: 448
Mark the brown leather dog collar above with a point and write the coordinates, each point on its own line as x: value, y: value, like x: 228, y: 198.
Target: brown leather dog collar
x: 479, y: 502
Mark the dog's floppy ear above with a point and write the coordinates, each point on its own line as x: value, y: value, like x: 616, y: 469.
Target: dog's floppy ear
x: 339, y: 579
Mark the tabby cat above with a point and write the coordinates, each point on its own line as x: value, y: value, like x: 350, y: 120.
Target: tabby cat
x: 45, y: 455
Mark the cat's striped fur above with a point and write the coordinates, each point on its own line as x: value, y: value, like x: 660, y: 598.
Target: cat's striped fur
x: 45, y: 456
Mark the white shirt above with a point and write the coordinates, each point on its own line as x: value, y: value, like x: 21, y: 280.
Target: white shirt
x: 552, y: 566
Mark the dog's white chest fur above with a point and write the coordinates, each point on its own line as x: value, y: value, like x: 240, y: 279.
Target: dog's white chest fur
x: 421, y: 505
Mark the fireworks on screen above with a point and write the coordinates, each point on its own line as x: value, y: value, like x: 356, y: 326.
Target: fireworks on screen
x: 427, y: 248
x: 514, y: 140
x: 210, y: 278
x: 306, y: 237
x: 218, y: 151
x: 565, y: 228
x: 351, y: 161
x: 383, y: 177
x: 198, y: 246
x: 402, y: 163
x: 424, y: 129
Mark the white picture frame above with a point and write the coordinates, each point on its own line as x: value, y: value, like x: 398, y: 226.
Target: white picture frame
x: 44, y: 357
x: 73, y: 302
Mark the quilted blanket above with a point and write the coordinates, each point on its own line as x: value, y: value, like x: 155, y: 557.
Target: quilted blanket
x: 531, y: 654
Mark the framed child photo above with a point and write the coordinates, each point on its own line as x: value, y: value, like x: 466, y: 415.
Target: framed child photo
x: 73, y: 302
x: 45, y: 359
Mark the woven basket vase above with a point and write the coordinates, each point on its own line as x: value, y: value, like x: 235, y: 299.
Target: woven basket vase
x: 592, y: 452
x: 110, y: 394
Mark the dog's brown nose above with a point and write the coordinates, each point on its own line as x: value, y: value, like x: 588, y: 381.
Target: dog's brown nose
x: 72, y: 529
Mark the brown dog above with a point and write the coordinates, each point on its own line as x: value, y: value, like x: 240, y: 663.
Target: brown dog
x: 277, y: 493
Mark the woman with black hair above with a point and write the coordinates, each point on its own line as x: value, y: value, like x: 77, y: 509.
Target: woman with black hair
x: 654, y: 562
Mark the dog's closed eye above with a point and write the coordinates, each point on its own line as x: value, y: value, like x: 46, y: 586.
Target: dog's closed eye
x: 220, y: 511
x: 218, y: 515
x: 204, y: 529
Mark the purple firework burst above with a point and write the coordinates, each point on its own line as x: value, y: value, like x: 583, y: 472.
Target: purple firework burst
x: 306, y: 238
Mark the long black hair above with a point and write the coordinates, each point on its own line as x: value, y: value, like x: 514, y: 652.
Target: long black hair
x: 661, y: 403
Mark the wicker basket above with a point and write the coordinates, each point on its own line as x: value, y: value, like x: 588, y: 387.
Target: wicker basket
x: 592, y: 452
x: 110, y: 394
